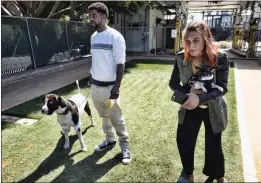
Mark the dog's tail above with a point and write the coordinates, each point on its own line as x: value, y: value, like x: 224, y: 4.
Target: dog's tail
x: 77, y: 83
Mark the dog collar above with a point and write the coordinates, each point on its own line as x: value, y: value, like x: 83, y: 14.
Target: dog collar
x: 68, y: 108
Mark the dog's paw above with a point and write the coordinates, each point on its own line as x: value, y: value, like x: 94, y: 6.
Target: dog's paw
x: 66, y: 146
x: 84, y: 149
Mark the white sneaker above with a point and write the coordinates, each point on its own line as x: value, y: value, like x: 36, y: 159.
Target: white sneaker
x: 105, y: 145
x: 126, y: 158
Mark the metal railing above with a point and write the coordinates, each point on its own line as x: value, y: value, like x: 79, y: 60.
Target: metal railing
x: 29, y: 43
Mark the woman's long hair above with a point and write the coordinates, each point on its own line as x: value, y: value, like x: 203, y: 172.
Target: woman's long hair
x: 210, y: 49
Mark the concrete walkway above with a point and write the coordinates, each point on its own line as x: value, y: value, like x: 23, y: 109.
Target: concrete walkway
x: 248, y: 92
x: 30, y: 84
x: 25, y: 87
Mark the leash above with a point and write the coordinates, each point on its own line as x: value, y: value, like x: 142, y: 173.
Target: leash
x: 84, y: 99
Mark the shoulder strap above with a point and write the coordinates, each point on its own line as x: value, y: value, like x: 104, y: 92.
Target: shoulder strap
x: 215, y: 77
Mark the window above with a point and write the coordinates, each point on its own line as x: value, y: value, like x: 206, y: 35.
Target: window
x: 134, y: 25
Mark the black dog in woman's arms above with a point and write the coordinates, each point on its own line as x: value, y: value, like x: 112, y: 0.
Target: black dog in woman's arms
x: 204, y: 79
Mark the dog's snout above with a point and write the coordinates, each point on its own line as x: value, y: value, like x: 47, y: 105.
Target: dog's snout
x: 44, y: 110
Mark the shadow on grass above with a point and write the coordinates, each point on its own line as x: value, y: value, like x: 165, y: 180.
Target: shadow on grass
x: 88, y: 170
x: 148, y: 61
x: 7, y: 125
x: 35, y: 105
x: 56, y: 159
x: 133, y: 63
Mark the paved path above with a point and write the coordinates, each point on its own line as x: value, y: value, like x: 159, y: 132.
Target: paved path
x: 248, y: 86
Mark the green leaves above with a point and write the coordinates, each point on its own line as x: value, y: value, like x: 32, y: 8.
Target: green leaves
x: 127, y: 7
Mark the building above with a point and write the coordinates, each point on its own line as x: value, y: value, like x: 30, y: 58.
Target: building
x: 148, y: 29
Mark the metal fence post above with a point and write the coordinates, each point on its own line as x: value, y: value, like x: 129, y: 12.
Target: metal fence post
x: 155, y: 54
x: 177, y: 39
x: 30, y: 41
x: 67, y: 39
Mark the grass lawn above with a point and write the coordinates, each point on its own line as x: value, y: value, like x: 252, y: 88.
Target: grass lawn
x: 35, y: 153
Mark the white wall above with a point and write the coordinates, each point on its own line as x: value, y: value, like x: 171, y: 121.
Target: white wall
x: 257, y: 11
x: 160, y: 36
x: 153, y: 14
x: 134, y: 37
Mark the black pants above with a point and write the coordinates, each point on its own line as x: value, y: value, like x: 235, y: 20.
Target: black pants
x: 186, y: 139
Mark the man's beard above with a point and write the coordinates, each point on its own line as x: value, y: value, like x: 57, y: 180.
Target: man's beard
x: 97, y: 26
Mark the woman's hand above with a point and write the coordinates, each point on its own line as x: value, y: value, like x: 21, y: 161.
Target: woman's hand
x: 192, y: 102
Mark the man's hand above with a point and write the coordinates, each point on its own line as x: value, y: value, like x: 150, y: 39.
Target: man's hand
x: 115, y: 92
x: 192, y: 102
x: 89, y: 83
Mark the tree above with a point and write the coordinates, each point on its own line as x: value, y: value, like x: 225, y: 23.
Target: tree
x: 48, y: 37
x: 58, y: 9
x: 44, y: 9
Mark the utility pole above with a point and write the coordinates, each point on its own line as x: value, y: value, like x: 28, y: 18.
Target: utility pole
x: 178, y: 24
x: 253, y: 29
x: 236, y: 29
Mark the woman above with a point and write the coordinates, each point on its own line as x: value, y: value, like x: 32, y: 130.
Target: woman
x: 200, y: 50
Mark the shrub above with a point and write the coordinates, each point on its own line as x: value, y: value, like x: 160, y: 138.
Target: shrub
x: 223, y: 44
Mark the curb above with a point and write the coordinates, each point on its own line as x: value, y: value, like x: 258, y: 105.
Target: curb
x: 40, y: 71
x: 241, y: 56
x: 247, y: 154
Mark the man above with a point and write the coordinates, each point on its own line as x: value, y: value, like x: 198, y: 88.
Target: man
x: 108, y: 58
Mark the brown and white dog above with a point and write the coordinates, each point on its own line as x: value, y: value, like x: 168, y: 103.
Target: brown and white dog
x: 68, y: 113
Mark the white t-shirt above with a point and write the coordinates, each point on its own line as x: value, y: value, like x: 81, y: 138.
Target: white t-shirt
x: 107, y: 49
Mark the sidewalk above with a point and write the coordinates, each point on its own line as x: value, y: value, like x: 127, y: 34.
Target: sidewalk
x: 248, y: 90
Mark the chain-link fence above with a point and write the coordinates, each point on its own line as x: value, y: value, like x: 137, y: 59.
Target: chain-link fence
x: 161, y: 40
x: 29, y: 43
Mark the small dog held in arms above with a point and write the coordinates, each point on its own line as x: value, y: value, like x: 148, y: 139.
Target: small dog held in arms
x: 69, y: 113
x: 205, y: 80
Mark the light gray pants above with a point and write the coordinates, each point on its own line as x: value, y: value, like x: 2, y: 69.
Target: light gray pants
x: 112, y: 119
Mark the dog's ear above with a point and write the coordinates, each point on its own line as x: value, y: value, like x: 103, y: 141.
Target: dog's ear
x: 61, y: 102
x: 213, y: 69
